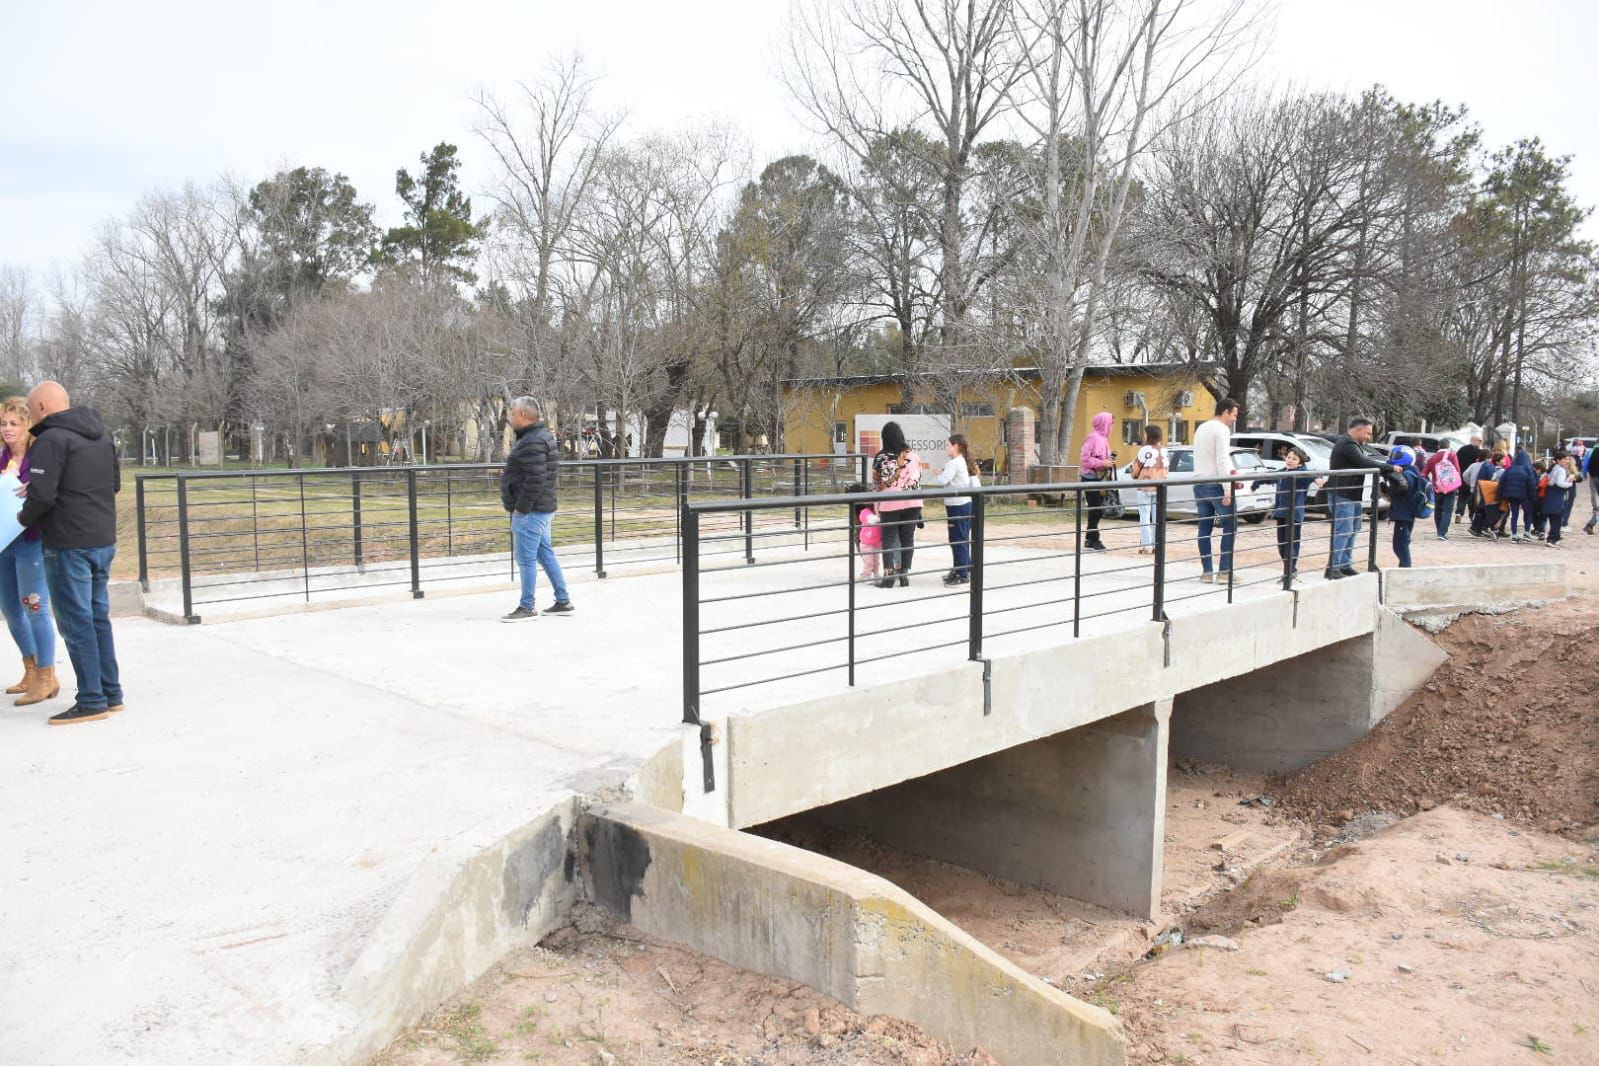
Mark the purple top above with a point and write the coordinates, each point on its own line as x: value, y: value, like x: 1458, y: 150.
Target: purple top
x: 32, y: 534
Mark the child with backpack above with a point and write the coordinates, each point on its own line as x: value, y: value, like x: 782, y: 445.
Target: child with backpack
x: 870, y: 536
x: 1486, y: 513
x: 1563, y: 477
x: 1288, y: 506
x: 1410, y: 497
x: 1443, y: 470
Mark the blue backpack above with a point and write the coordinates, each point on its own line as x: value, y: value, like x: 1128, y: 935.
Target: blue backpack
x: 1425, y: 498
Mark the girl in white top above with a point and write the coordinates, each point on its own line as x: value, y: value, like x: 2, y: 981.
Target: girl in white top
x: 958, y: 473
x: 1150, y: 465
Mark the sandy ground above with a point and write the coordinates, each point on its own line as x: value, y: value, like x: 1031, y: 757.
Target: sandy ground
x: 1431, y: 894
x: 1448, y: 937
x: 599, y: 993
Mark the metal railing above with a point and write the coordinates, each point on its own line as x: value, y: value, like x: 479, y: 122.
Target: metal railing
x: 1032, y: 569
x: 231, y: 536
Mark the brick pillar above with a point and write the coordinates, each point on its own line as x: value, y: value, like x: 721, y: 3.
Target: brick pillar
x: 1022, y: 436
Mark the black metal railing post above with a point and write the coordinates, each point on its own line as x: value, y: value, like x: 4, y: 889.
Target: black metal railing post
x: 1159, y: 607
x: 305, y: 543
x: 449, y: 515
x: 1371, y: 539
x: 849, y: 613
x: 183, y: 551
x: 1077, y: 564
x: 799, y: 469
x: 1229, y: 521
x: 1291, y: 543
x: 680, y: 486
x: 599, y: 522
x: 255, y: 523
x: 805, y: 490
x: 974, y: 550
x: 746, y: 492
x: 691, y: 617
x: 416, y: 542
x: 355, y: 520
x: 144, y: 547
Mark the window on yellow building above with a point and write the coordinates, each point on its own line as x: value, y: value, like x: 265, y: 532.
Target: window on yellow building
x: 977, y: 410
x: 1132, y: 431
x: 1179, y: 431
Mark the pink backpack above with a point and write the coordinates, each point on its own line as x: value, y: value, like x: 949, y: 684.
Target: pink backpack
x: 1446, y: 474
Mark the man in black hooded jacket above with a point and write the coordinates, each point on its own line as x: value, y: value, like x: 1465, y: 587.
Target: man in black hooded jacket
x: 72, y: 497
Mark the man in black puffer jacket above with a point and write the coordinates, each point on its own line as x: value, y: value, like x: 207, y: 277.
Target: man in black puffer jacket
x: 73, y: 481
x: 527, y: 489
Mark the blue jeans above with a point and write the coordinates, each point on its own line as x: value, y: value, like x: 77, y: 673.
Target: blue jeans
x: 535, y: 548
x: 1207, y: 499
x: 1146, y: 519
x: 1403, y: 528
x: 1443, y: 512
x: 25, y: 598
x: 1346, y: 527
x: 960, y: 535
x: 80, y: 586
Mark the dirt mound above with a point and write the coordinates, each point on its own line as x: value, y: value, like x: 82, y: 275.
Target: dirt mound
x: 1508, y: 726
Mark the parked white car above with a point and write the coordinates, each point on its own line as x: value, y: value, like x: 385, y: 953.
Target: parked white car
x: 1253, y: 504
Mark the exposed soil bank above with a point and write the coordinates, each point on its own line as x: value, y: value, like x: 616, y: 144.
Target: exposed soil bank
x: 1508, y: 726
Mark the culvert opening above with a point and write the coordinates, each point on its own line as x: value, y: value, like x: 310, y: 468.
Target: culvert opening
x: 1040, y: 805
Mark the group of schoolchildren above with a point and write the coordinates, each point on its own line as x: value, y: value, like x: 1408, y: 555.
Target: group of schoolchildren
x: 1526, y: 498
x: 1534, y: 498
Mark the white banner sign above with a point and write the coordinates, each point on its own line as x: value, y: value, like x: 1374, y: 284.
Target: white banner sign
x: 928, y: 436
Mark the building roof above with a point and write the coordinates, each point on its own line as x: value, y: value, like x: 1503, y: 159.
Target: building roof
x: 1026, y: 373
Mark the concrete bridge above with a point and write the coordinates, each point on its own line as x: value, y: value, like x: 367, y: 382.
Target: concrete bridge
x: 307, y: 830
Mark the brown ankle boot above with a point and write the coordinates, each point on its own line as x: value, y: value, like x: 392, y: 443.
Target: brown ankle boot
x: 44, y: 687
x: 27, y: 676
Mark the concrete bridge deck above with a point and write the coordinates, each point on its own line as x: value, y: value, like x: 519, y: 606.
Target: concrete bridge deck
x: 214, y: 875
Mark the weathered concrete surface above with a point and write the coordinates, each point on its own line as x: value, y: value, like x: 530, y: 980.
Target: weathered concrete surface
x: 461, y: 913
x: 1290, y: 714
x: 1474, y: 585
x: 1081, y: 813
x: 778, y: 910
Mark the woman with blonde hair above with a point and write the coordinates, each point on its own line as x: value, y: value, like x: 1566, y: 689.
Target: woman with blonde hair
x: 24, y: 595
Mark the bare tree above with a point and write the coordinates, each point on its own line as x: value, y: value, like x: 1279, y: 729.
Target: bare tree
x: 866, y: 70
x: 1103, y: 78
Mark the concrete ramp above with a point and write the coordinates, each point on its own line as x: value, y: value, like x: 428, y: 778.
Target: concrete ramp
x: 775, y: 909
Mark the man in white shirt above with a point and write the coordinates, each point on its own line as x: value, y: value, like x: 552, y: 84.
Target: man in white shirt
x: 1213, y: 457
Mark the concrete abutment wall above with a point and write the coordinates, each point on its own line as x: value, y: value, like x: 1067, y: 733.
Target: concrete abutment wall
x: 1081, y: 813
x: 1288, y: 715
x: 774, y: 909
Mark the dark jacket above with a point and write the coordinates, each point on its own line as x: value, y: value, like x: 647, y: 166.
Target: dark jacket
x: 1406, y: 496
x: 1470, y: 453
x: 1519, y: 484
x: 1289, y: 496
x: 1347, y: 455
x: 73, y: 481
x: 527, y: 485
x: 33, y: 534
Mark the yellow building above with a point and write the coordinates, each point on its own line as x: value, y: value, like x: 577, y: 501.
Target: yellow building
x: 820, y: 412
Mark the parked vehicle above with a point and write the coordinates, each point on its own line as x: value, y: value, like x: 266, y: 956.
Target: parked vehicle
x: 1272, y: 446
x: 1253, y: 504
x: 1431, y: 441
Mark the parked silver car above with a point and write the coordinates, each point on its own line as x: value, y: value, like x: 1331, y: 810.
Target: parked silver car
x: 1253, y: 504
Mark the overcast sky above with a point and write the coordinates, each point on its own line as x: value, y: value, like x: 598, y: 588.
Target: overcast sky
x: 100, y: 101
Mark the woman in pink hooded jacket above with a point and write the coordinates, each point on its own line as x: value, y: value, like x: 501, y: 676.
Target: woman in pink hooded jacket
x: 1097, y: 463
